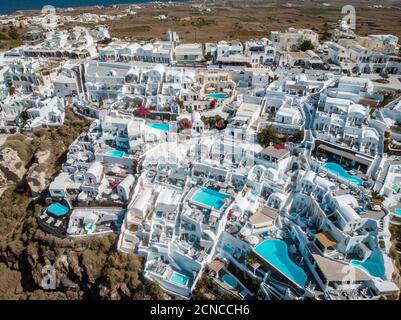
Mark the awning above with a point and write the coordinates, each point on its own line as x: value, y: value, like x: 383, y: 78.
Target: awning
x: 216, y: 265
x: 325, y: 239
x: 346, y: 154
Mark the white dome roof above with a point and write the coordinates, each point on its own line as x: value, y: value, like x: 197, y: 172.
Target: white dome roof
x: 195, y: 116
x: 159, y: 68
x: 358, y: 108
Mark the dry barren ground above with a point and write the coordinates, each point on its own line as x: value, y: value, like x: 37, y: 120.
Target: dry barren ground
x: 250, y: 19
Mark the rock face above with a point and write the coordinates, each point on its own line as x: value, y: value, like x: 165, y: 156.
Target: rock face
x: 42, y: 156
x: 11, y: 165
x: 36, y: 178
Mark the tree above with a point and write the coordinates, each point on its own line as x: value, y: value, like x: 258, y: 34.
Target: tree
x: 13, y: 33
x: 386, y: 145
x: 184, y: 124
x: 213, y: 103
x: 220, y: 123
x: 208, y: 56
x: 267, y: 135
x: 142, y: 111
x: 300, y: 136
x: 105, y: 41
x: 251, y: 257
x: 306, y: 45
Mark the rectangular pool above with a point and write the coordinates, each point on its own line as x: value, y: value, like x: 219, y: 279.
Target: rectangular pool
x: 57, y: 209
x: 115, y: 153
x: 209, y: 197
x: 179, y: 278
x: 159, y: 126
x: 217, y: 96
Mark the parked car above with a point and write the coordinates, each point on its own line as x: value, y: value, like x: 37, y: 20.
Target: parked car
x: 381, y: 80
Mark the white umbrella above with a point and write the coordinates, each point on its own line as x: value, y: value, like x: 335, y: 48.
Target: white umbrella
x: 116, y: 169
x: 253, y: 240
x: 72, y: 229
x: 245, y: 232
x: 82, y: 196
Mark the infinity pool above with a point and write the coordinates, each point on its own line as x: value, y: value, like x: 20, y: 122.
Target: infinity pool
x: 374, y: 265
x: 275, y: 252
x: 209, y: 197
x: 217, y: 95
x: 159, y: 126
x: 179, y: 278
x: 57, y: 209
x: 115, y: 153
x: 230, y: 280
x: 341, y: 172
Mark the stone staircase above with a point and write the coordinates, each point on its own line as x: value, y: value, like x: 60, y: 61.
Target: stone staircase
x: 382, y: 177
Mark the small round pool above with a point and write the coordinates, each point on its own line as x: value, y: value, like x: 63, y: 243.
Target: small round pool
x: 230, y: 280
x: 90, y: 227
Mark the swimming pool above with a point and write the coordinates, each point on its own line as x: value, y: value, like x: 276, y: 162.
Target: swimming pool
x: 275, y: 252
x: 338, y: 170
x: 227, y: 248
x: 231, y: 281
x: 217, y: 95
x: 89, y: 227
x: 397, y: 212
x: 57, y: 209
x: 374, y: 265
x: 179, y: 278
x: 254, y: 193
x: 159, y: 126
x: 209, y: 197
x: 115, y: 153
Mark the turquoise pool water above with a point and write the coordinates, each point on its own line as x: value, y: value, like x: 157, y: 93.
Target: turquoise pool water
x: 227, y: 248
x: 275, y: 252
x: 179, y: 278
x: 120, y: 220
x: 217, y: 95
x: 398, y: 212
x: 230, y: 280
x: 341, y: 172
x: 90, y: 227
x: 159, y: 126
x: 115, y: 153
x: 254, y: 193
x: 209, y: 197
x: 374, y: 265
x: 57, y: 209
